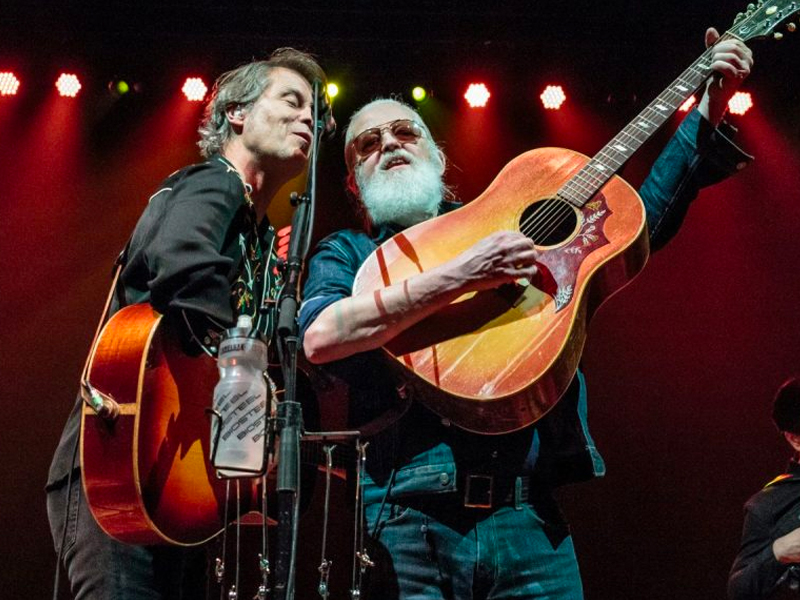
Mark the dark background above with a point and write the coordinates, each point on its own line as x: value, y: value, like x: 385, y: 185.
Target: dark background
x: 681, y: 365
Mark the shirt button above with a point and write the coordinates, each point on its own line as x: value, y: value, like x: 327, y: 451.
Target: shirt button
x: 494, y: 454
x: 741, y: 166
x: 444, y: 478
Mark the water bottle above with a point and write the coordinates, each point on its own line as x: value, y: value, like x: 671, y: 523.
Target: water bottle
x: 238, y: 429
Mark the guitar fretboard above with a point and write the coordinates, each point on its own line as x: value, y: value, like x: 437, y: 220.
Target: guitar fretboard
x: 594, y: 175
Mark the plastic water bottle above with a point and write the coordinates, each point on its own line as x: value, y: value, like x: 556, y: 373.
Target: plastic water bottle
x: 238, y: 430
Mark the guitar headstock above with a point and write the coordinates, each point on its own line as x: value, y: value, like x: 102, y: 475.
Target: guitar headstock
x: 763, y: 19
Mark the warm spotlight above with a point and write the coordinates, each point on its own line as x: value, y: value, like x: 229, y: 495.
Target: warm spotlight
x: 553, y: 97
x: 333, y: 90
x: 419, y: 94
x: 68, y: 85
x: 9, y: 84
x: 194, y: 89
x: 740, y: 103
x: 688, y: 104
x: 477, y: 95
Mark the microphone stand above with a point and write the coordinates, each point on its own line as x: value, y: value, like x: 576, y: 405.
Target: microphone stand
x: 289, y: 421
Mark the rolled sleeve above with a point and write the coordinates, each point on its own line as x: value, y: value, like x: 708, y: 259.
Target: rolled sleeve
x: 698, y: 155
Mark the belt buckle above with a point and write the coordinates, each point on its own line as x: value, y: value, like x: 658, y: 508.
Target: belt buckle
x: 478, y: 491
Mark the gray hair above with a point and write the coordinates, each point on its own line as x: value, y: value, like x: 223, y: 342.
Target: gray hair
x: 351, y: 186
x: 242, y: 87
x: 436, y: 151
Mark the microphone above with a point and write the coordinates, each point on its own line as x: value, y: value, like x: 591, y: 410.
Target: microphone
x: 325, y: 111
x: 330, y: 124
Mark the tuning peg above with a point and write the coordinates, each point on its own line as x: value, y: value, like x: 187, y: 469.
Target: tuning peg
x: 751, y: 7
x: 760, y: 3
x: 791, y: 27
x: 738, y: 18
x: 778, y: 36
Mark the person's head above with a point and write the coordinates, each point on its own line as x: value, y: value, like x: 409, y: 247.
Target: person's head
x: 786, y: 411
x: 265, y: 104
x: 395, y: 170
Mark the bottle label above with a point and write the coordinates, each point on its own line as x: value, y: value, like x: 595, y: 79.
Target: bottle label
x: 231, y: 347
x: 238, y: 436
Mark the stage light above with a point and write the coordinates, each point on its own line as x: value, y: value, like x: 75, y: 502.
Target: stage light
x: 553, y: 97
x: 419, y: 94
x: 688, y: 104
x: 68, y: 85
x: 194, y: 89
x: 477, y: 95
x: 740, y: 103
x: 118, y: 87
x: 333, y: 90
x: 9, y: 84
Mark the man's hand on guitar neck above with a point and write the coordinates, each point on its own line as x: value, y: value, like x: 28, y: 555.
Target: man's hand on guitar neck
x: 731, y: 61
x: 370, y: 320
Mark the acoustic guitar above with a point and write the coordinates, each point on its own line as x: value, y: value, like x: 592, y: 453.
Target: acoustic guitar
x: 497, y: 361
x: 147, y: 474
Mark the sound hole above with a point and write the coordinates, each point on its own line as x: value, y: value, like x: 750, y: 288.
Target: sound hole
x: 549, y: 222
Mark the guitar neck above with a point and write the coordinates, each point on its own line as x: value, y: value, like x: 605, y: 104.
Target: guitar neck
x: 605, y: 164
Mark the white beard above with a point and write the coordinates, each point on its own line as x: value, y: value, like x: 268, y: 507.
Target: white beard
x: 404, y: 196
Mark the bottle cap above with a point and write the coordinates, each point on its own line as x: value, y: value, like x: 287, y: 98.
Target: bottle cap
x: 244, y: 322
x: 243, y: 327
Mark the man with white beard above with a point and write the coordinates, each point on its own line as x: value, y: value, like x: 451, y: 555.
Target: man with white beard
x: 434, y: 531
x: 405, y: 196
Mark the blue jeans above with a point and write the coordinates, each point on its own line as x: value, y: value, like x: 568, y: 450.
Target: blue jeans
x: 434, y: 549
x: 101, y: 568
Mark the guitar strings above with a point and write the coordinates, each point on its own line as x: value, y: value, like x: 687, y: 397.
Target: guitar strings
x: 545, y: 221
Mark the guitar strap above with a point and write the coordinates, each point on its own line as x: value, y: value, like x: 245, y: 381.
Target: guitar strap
x: 101, y: 403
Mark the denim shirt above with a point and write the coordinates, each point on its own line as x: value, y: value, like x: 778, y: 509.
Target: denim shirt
x: 421, y: 453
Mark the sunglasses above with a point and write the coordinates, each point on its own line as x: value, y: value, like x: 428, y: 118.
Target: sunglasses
x: 368, y: 142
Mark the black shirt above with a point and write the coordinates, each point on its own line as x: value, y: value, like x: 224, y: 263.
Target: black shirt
x: 771, y: 513
x: 197, y: 255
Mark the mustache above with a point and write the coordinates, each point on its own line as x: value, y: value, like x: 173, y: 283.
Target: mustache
x: 395, y: 154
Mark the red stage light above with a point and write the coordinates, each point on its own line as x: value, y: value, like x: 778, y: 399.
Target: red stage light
x: 9, y: 84
x: 688, y: 104
x: 194, y: 89
x: 68, y: 85
x: 740, y: 103
x: 553, y: 97
x: 477, y: 95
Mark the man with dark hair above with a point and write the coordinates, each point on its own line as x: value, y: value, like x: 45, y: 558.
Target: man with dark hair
x: 202, y: 255
x: 454, y: 514
x: 768, y: 563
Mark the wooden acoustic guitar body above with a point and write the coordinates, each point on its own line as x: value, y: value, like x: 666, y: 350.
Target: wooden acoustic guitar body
x: 146, y: 475
x: 496, y: 361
